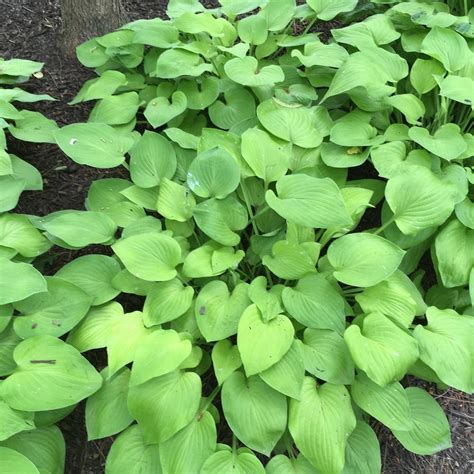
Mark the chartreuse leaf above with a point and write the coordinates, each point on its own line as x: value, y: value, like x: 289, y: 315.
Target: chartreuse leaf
x: 151, y: 160
x: 320, y: 424
x: 327, y: 356
x: 200, y: 95
x: 187, y: 450
x: 362, y: 451
x: 447, y: 142
x: 419, y: 199
x: 13, y: 461
x: 262, y: 344
x: 268, y: 302
x: 165, y: 405
x: 280, y: 464
x: 422, y: 74
x: 44, y: 447
x: 149, y: 256
x: 115, y: 109
x: 396, y: 297
x: 245, y: 71
x: 18, y: 233
x: 166, y: 301
x: 174, y: 63
x: 131, y: 453
x: 431, y: 431
x: 218, y: 311
x: 243, y: 462
x: 239, y: 106
x: 308, y: 201
x: 18, y: 281
x: 93, y: 331
x: 221, y: 218
x: 388, y: 404
x: 13, y: 421
x: 34, y: 127
x: 99, y: 88
x: 327, y: 9
x: 225, y: 359
x: 448, y: 47
x: 409, y: 105
x: 53, y: 313
x: 106, y: 410
x: 356, y: 259
x: 458, y: 88
x: 161, y: 110
x: 381, y: 349
x: 256, y: 413
x: 12, y: 187
x: 175, y: 201
x: 159, y: 353
x: 8, y: 342
x: 94, y: 275
x: 338, y: 156
x: 454, y: 254
x: 213, y: 173
x: 317, y: 53
x: 446, y: 346
x: 295, y: 124
x: 315, y: 303
x: 94, y: 144
x: 267, y: 157
x: 287, y: 375
x: 50, y: 374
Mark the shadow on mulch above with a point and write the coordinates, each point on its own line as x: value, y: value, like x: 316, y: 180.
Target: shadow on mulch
x: 30, y: 29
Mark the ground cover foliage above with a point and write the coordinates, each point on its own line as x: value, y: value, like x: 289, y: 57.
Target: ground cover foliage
x: 274, y: 324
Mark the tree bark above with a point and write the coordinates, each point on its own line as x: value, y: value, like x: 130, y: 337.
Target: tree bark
x: 85, y: 19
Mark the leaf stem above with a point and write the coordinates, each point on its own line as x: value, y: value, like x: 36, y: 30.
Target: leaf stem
x: 210, y: 399
x: 384, y: 226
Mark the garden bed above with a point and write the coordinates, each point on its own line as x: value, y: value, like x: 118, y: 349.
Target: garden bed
x: 31, y: 31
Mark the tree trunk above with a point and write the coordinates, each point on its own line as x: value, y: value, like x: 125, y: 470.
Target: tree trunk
x: 85, y: 19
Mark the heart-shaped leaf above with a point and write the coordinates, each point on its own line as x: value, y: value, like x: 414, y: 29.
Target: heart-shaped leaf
x: 245, y: 71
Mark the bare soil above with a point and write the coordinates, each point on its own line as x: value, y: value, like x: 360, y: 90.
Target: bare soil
x: 30, y: 29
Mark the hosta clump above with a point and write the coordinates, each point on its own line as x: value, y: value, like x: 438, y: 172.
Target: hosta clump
x: 266, y: 307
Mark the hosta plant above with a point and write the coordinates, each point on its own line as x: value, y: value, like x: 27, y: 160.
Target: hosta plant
x: 286, y: 198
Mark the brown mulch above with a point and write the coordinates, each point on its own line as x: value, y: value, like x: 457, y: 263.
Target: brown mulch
x: 30, y: 29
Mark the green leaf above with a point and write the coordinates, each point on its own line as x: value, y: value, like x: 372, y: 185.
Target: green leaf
x: 381, y: 349
x: 280, y: 464
x: 149, y: 256
x: 308, y: 201
x: 448, y: 47
x: 159, y: 353
x: 295, y: 124
x: 388, y: 404
x: 187, y: 450
x: 315, y: 303
x: 166, y: 301
x: 239, y: 106
x: 362, y: 451
x: 99, y: 88
x: 446, y: 346
x: 356, y: 259
x: 161, y: 110
x: 165, y: 405
x: 106, y: 410
x: 225, y: 359
x: 317, y: 53
x: 458, y: 88
x: 447, y: 142
x: 267, y: 157
x: 409, y: 105
x: 93, y: 331
x: 12, y: 188
x: 96, y: 227
x: 321, y: 423
x: 50, y: 375
x: 16, y: 232
x: 354, y: 130
x: 130, y: 453
x: 422, y: 74
x: 419, y: 199
x: 253, y: 29
x: 213, y: 173
x: 94, y: 144
x: 327, y: 9
x: 115, y: 109
x: 246, y: 71
x: 287, y: 375
x: 200, y: 95
x: 327, y: 356
x: 18, y: 281
x: 338, y: 156
x: 14, y: 462
x: 454, y: 254
x: 226, y: 461
x: 54, y: 313
x: 44, y: 447
x: 34, y: 127
x: 262, y: 344
x: 13, y: 421
x: 151, y: 160
x: 431, y: 432
x: 218, y: 311
x: 256, y: 413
